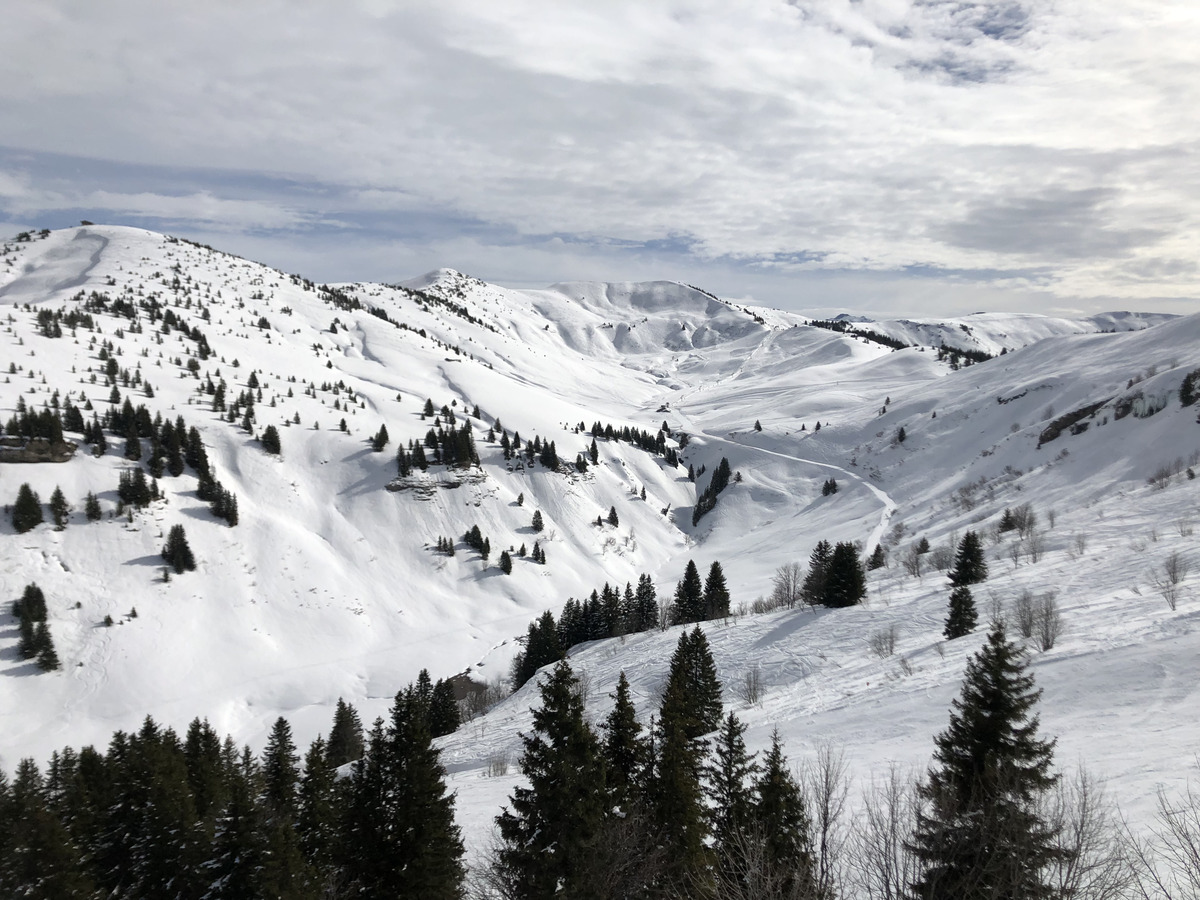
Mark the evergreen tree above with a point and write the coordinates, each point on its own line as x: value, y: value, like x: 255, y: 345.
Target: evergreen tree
x: 612, y: 517
x: 878, y: 558
x: 346, y: 737
x: 91, y: 508
x: 782, y: 824
x: 979, y: 832
x: 270, y: 440
x: 47, y: 658
x: 548, y: 827
x: 537, y: 524
x: 133, y: 446
x: 728, y: 787
x: 505, y: 562
x: 645, y: 605
x: 59, y: 509
x: 443, y: 709
x: 625, y: 751
x: 689, y: 596
x: 969, y: 565
x: 961, y: 618
x: 402, y: 840
x: 812, y: 591
x: 280, y: 771
x: 177, y: 553
x: 27, y: 510
x: 380, y: 440
x: 317, y: 812
x: 716, y: 593
x: 691, y: 708
x: 845, y: 582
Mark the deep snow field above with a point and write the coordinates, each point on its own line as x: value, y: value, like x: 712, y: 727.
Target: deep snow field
x: 329, y: 586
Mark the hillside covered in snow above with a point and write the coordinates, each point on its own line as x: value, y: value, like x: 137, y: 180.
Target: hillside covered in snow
x: 332, y: 585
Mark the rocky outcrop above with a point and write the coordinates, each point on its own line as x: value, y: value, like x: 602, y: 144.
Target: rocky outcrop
x: 37, y: 450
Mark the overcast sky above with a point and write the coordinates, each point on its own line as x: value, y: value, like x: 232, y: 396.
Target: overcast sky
x: 882, y: 155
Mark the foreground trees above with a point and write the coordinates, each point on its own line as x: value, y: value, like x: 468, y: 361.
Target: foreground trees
x: 980, y: 832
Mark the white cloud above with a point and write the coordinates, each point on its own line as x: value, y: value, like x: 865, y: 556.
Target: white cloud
x: 996, y: 137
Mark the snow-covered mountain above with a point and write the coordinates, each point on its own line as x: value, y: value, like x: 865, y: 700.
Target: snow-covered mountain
x: 330, y: 585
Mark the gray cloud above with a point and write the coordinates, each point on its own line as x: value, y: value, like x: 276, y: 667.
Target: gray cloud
x: 1040, y: 147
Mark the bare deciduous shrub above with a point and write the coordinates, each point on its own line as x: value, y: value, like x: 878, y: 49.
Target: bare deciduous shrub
x: 482, y: 698
x: 1014, y: 552
x: 912, y: 561
x: 787, y: 584
x: 1078, y: 545
x: 883, y: 641
x: 1024, y: 519
x: 1161, y: 476
x: 1169, y: 575
x: 906, y: 666
x: 1048, y: 623
x: 883, y: 865
x: 826, y: 788
x: 1051, y: 517
x: 941, y: 558
x: 497, y: 764
x: 1184, y: 527
x: 1035, y: 545
x: 1025, y: 613
x: 749, y: 688
x: 1168, y: 866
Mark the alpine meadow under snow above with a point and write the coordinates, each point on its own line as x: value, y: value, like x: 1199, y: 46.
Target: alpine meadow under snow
x: 332, y: 584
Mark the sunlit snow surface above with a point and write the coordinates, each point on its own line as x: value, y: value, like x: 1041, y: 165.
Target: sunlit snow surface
x: 329, y: 586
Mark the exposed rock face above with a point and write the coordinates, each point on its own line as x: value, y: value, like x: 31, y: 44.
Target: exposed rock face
x: 38, y: 450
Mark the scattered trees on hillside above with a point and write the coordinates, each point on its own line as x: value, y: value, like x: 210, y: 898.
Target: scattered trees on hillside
x: 708, y: 499
x: 835, y: 576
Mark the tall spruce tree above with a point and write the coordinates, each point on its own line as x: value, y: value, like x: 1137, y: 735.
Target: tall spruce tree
x: 812, y: 591
x: 980, y: 833
x: 969, y: 565
x: 625, y: 751
x: 27, y: 510
x: 782, y: 825
x: 716, y: 593
x: 961, y: 618
x: 845, y: 580
x: 689, y: 596
x: 548, y: 827
x: 345, y: 737
x: 729, y: 788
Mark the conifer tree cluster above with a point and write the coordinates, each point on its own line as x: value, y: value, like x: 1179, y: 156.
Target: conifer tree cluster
x: 454, y: 448
x: 708, y: 499
x: 176, y: 552
x: 608, y: 612
x: 835, y: 576
x: 474, y: 539
x: 538, y: 554
x: 643, y: 440
x: 34, y: 641
x: 970, y: 567
x: 160, y: 816
x: 829, y: 487
x: 671, y: 812
x: 697, y: 601
x: 445, y: 546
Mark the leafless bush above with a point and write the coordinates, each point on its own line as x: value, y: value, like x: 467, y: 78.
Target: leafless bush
x: 1161, y: 476
x: 750, y: 688
x: 906, y: 666
x: 583, y: 687
x: 882, y: 865
x: 826, y: 787
x: 941, y: 558
x: 1024, y: 519
x: 1184, y: 527
x: 883, y: 641
x: 762, y: 605
x: 1025, y: 613
x: 1169, y: 575
x: 1078, y: 545
x: 1048, y: 624
x: 1168, y: 867
x: 912, y: 561
x: 482, y: 698
x: 1093, y: 861
x: 787, y: 584
x: 497, y: 764
x: 1051, y: 517
x: 1014, y: 552
x: 1035, y: 545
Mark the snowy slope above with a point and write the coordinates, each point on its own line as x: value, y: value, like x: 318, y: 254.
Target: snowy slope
x: 329, y: 585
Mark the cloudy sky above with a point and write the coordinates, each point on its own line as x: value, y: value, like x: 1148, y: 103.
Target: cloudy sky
x: 876, y: 155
